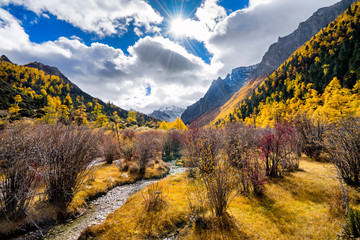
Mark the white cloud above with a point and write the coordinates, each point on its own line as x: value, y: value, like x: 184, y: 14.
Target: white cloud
x: 244, y: 36
x: 207, y: 16
x: 174, y: 75
x: 103, y: 17
x: 210, y: 13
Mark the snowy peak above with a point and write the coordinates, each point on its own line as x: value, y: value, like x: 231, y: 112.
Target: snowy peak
x: 168, y: 114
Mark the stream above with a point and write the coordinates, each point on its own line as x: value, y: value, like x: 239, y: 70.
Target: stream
x: 97, y: 210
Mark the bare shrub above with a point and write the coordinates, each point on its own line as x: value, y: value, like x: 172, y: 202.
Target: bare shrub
x: 171, y: 143
x: 209, y: 148
x: 256, y: 172
x: 221, y: 185
x: 110, y: 147
x: 127, y: 145
x: 128, y: 134
x: 191, y: 145
x: 66, y: 152
x: 241, y: 148
x: 18, y: 172
x: 342, y: 142
x: 147, y: 147
x: 279, y: 149
x: 154, y: 197
x: 216, y: 173
x: 312, y: 133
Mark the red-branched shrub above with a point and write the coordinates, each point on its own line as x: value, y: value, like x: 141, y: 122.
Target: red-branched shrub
x: 279, y: 148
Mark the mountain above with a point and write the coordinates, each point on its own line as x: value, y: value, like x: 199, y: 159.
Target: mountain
x: 219, y: 92
x: 279, y: 52
x: 4, y: 59
x: 322, y: 78
x: 40, y: 85
x: 167, y: 114
x: 276, y: 55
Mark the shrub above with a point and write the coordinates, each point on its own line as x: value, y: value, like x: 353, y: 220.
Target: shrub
x: 18, y: 172
x: 171, y: 144
x: 209, y: 148
x: 127, y: 150
x: 241, y: 149
x: 256, y: 173
x: 279, y: 149
x: 154, y: 197
x: 110, y: 147
x: 216, y: 173
x: 342, y: 142
x: 147, y: 147
x: 220, y: 184
x: 191, y: 145
x: 66, y: 152
x: 312, y: 134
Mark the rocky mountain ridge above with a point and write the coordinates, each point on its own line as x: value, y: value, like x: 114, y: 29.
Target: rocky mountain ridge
x: 220, y: 91
x: 280, y: 51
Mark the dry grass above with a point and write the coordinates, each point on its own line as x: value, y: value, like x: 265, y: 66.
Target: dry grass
x: 294, y: 207
x: 133, y: 221
x: 156, y: 169
x: 107, y: 176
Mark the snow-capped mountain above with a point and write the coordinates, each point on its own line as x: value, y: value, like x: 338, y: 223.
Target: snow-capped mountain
x: 167, y: 114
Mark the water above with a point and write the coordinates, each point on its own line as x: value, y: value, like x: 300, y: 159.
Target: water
x: 97, y: 210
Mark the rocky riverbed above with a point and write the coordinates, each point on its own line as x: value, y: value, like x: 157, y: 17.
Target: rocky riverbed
x: 97, y: 211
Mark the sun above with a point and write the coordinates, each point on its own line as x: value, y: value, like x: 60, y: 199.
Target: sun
x: 178, y: 27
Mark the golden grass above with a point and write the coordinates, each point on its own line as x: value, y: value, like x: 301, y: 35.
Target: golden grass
x: 132, y: 221
x: 105, y: 177
x: 157, y: 169
x: 294, y: 207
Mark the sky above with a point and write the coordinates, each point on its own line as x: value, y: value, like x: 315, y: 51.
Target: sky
x: 147, y: 54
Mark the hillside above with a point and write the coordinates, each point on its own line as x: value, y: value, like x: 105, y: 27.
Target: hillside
x: 321, y: 77
x: 219, y: 92
x: 40, y: 86
x: 277, y: 54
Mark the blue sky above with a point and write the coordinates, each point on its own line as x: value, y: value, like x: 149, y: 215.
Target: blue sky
x: 145, y: 55
x: 49, y: 28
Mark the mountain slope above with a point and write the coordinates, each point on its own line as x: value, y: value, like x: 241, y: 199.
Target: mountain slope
x: 278, y: 53
x: 219, y: 92
x: 322, y: 78
x: 167, y: 114
x: 36, y: 82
